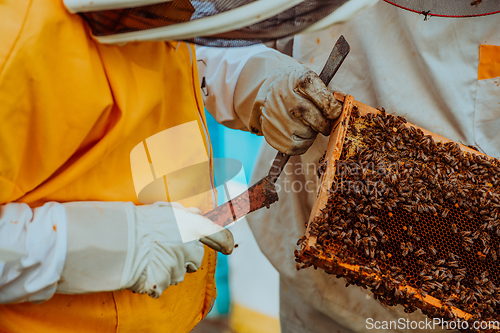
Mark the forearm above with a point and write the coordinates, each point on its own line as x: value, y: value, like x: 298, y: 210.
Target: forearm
x: 36, y: 240
x: 221, y: 68
x: 87, y: 247
x: 98, y: 246
x: 70, y: 248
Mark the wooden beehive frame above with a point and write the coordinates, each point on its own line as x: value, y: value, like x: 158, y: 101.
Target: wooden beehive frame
x: 333, y: 152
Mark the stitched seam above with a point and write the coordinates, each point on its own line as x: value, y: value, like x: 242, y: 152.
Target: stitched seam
x: 208, y: 293
x: 475, y: 100
x: 207, y: 307
x: 197, y: 90
x: 116, y: 311
x: 478, y: 65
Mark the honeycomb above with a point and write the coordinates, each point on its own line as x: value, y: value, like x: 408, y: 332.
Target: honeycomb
x: 409, y: 211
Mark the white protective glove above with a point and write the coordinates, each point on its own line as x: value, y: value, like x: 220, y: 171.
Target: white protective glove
x: 115, y: 245
x: 279, y: 98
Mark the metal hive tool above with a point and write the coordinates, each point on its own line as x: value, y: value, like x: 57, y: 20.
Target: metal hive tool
x: 409, y: 215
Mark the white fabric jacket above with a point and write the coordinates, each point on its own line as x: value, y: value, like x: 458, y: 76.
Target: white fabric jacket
x: 426, y: 71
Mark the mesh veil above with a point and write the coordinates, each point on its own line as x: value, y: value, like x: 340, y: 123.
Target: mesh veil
x: 450, y: 8
x: 159, y: 16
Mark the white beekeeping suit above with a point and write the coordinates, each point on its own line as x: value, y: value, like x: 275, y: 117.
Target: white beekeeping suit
x: 426, y: 71
x: 441, y: 74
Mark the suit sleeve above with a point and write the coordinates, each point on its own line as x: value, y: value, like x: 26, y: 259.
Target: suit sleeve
x: 219, y: 71
x: 33, y: 245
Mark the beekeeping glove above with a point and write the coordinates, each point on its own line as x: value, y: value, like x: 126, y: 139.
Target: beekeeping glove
x: 115, y: 245
x: 279, y: 98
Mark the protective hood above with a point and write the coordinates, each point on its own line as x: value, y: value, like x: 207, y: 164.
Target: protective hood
x: 75, y: 6
x: 206, y: 22
x: 449, y: 8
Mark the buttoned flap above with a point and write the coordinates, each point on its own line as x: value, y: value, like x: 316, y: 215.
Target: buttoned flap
x: 487, y: 107
x: 489, y: 62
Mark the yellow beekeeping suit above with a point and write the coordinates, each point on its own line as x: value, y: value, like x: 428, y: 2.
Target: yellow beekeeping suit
x: 71, y: 111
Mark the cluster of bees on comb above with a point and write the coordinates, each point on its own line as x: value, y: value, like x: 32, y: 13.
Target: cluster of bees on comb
x: 411, y: 217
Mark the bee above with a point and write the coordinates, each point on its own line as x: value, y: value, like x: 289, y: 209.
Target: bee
x: 365, y: 269
x: 481, y: 256
x: 395, y: 269
x: 357, y: 235
x: 475, y: 234
x: 454, y: 228
x: 432, y: 250
x: 301, y: 239
x: 405, y: 249
x: 379, y: 232
x: 348, y: 241
x: 421, y: 262
x: 410, y: 231
x: 437, y: 285
x: 439, y: 262
x: 376, y: 284
x: 468, y: 241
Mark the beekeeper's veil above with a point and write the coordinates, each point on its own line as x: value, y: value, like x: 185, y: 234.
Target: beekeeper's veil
x: 205, y: 22
x: 450, y: 8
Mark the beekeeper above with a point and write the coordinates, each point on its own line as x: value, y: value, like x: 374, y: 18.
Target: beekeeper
x: 442, y: 74
x: 88, y: 129
x: 72, y: 111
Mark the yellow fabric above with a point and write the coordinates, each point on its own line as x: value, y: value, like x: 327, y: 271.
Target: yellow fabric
x: 245, y: 320
x: 71, y: 111
x: 489, y: 62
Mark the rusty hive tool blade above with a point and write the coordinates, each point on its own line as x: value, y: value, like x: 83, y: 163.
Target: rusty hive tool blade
x: 263, y: 193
